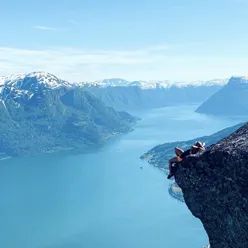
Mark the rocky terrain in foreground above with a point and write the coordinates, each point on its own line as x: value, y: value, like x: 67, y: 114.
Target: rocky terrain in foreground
x: 214, y: 184
x: 215, y: 189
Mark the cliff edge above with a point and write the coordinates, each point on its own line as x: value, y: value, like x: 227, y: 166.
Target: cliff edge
x: 215, y: 189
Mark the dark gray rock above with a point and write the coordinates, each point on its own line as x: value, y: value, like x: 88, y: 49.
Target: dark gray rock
x: 215, y: 189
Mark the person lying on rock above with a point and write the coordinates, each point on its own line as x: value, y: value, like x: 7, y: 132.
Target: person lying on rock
x: 181, y: 154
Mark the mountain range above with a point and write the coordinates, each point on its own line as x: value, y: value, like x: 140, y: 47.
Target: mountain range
x: 41, y: 113
x: 151, y: 84
x: 124, y: 95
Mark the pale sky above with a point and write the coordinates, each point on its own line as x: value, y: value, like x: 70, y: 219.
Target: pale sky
x: 84, y: 40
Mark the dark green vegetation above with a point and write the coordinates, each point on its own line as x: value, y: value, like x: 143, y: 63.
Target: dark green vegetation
x: 40, y: 113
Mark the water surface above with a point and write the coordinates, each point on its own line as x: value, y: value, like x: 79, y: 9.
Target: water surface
x: 102, y: 199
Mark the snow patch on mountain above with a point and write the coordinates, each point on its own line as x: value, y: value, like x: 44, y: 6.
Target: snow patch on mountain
x: 31, y: 83
x: 35, y: 80
x: 153, y: 84
x: 11, y: 78
x: 238, y: 80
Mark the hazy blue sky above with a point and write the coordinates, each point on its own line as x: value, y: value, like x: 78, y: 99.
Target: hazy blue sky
x: 133, y: 39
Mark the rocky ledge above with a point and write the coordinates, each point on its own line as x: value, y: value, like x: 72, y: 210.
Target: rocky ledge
x: 215, y: 189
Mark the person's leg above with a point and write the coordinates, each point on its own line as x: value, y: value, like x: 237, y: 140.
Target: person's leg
x: 178, y: 151
x: 171, y: 162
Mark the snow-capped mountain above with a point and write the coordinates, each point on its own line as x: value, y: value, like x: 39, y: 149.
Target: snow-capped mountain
x: 231, y: 100
x: 47, y: 80
x: 237, y: 82
x: 39, y: 112
x: 33, y: 81
x: 123, y: 95
x: 117, y: 93
x: 23, y: 87
x: 152, y: 84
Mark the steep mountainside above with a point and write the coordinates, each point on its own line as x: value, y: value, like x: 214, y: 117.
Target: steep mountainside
x: 215, y: 189
x: 231, y: 100
x: 39, y: 112
x: 121, y: 94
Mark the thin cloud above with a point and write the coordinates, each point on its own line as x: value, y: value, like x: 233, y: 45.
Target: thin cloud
x: 78, y: 64
x: 44, y: 28
x: 73, y: 22
x: 159, y: 48
x: 82, y: 56
x: 154, y: 62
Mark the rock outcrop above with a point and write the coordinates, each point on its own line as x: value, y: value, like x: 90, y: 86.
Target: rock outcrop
x: 215, y: 189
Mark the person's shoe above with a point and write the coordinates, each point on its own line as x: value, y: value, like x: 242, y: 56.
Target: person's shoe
x: 169, y: 176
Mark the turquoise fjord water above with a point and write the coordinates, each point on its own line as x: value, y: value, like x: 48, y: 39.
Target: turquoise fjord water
x: 101, y: 198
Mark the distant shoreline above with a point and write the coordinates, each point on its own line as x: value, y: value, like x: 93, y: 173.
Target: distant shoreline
x: 57, y: 149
